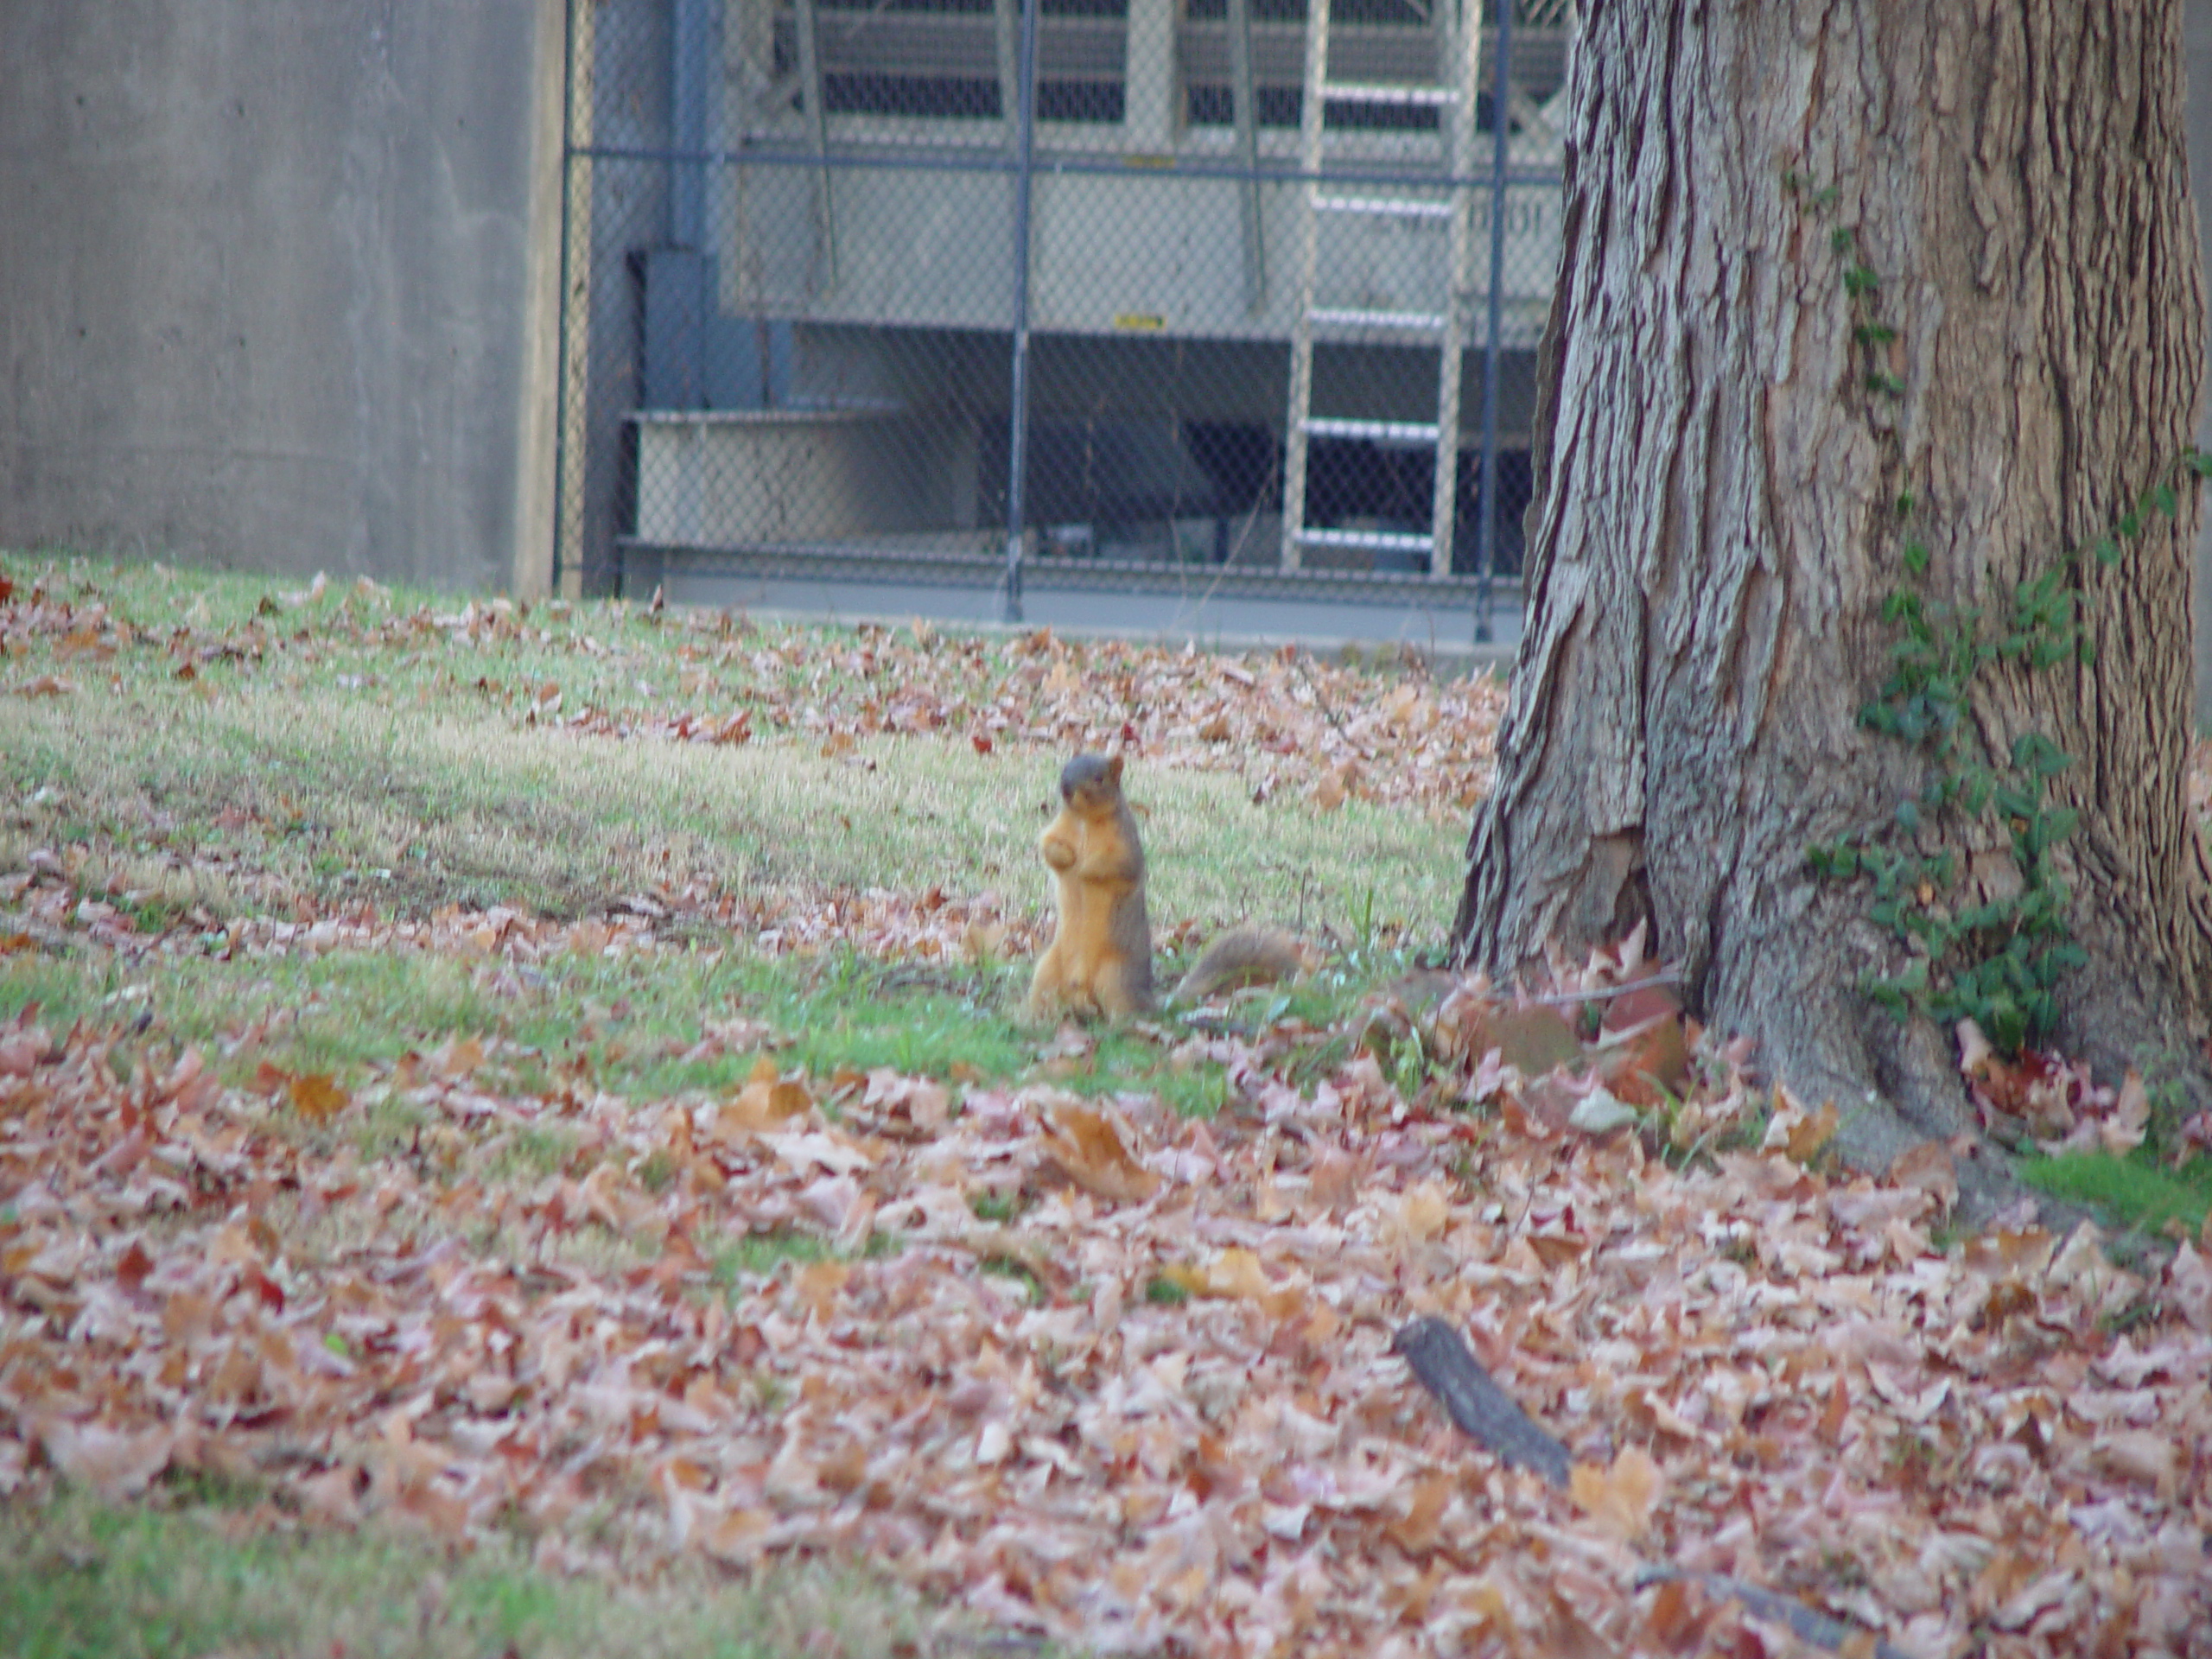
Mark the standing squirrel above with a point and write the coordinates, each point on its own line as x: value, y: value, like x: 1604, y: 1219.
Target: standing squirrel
x: 1100, y: 959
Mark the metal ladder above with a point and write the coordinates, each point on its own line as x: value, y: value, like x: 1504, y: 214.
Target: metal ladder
x: 1454, y: 102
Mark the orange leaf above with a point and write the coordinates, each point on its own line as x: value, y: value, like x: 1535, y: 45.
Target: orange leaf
x: 734, y: 1535
x: 1830, y: 1427
x: 1416, y: 1532
x: 133, y: 1266
x: 1237, y: 1275
x: 818, y: 1283
x: 1619, y: 1500
x: 316, y: 1096
x: 1533, y: 1041
x: 1088, y: 1148
x: 459, y: 1057
x: 1815, y: 1132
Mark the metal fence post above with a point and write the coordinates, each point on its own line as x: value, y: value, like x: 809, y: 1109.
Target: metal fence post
x: 1501, y: 127
x: 692, y: 52
x: 564, y: 460
x: 1017, y: 416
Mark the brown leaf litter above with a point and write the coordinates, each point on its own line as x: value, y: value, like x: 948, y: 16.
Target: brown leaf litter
x: 1763, y: 1369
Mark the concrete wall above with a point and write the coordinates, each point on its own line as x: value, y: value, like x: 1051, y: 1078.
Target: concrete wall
x: 277, y: 285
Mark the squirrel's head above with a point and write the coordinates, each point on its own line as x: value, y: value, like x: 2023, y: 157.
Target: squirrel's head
x: 1091, y: 780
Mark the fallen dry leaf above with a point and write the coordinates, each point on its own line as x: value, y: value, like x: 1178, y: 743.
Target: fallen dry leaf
x: 768, y: 1100
x: 1238, y: 1274
x: 1089, y: 1150
x: 1619, y: 1500
x: 316, y: 1096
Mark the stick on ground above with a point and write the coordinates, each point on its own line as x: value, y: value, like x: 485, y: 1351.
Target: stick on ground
x: 1440, y: 1358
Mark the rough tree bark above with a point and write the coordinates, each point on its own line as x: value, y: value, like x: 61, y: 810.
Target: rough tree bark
x: 1719, y: 523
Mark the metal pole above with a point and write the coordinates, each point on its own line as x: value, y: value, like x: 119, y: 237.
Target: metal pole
x: 1247, y: 118
x: 691, y: 48
x: 1501, y: 126
x: 1018, y: 419
x: 562, y: 397
x: 817, y: 125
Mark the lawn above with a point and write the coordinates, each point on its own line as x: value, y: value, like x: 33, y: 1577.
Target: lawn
x: 518, y: 1132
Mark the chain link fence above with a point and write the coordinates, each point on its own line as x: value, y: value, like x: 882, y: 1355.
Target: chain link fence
x: 1074, y: 292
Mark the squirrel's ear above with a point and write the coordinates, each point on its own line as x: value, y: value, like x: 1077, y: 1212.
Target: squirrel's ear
x: 1114, y: 769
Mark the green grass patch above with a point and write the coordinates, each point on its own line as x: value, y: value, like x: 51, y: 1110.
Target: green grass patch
x: 2133, y: 1190
x: 737, y: 1262
x: 348, y: 749
x: 1020, y: 1273
x: 629, y: 1024
x: 83, y: 1580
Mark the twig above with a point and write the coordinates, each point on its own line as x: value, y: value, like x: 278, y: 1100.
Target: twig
x: 1440, y: 1358
x: 1321, y: 697
x: 1805, y: 1624
x: 1570, y: 998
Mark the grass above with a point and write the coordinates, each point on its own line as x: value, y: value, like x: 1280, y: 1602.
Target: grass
x: 344, y: 754
x: 628, y: 1023
x: 350, y: 752
x: 245, y: 751
x: 2136, y: 1190
x: 79, y: 1579
x: 418, y: 813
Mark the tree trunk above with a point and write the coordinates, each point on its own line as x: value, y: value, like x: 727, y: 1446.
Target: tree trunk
x: 1736, y: 465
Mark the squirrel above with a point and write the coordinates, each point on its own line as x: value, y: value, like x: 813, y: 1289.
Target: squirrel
x: 1100, y: 959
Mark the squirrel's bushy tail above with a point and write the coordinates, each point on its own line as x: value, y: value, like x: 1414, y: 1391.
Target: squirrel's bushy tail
x: 1242, y: 956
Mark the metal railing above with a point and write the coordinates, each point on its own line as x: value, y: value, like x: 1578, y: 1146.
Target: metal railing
x: 1055, y: 292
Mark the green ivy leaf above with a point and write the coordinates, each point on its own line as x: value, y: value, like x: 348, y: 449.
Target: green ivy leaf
x: 2034, y: 752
